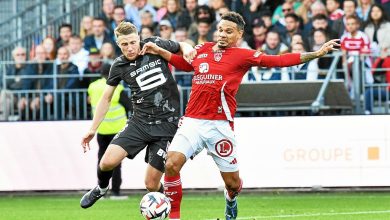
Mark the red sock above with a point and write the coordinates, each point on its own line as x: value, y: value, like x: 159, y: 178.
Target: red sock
x: 173, y: 190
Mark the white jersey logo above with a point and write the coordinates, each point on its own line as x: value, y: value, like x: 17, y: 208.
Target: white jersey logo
x: 203, y: 67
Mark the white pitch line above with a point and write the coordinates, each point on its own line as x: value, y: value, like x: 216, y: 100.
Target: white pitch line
x: 312, y: 215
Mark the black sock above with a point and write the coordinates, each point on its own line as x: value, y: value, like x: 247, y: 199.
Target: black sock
x: 161, y: 189
x: 104, y: 178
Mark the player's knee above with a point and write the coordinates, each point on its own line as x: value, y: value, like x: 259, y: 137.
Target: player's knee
x: 233, y: 184
x: 171, y: 168
x: 152, y: 186
x: 106, y: 165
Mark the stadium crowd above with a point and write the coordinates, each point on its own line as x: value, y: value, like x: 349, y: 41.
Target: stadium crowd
x: 272, y: 27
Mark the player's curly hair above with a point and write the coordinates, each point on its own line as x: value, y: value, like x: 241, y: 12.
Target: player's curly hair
x: 234, y: 17
x: 125, y: 28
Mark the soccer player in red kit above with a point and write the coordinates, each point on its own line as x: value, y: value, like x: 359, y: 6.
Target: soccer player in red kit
x: 208, y: 121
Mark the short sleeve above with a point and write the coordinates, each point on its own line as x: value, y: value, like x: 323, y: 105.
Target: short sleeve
x: 114, y: 76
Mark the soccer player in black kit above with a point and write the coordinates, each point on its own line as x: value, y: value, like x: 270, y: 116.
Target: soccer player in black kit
x: 155, y: 99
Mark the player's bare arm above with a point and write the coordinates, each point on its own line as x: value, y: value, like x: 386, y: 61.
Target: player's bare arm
x: 329, y: 46
x: 101, y: 111
x: 177, y: 61
x: 188, y: 51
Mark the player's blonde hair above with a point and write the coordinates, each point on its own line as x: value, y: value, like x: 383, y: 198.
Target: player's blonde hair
x: 125, y: 28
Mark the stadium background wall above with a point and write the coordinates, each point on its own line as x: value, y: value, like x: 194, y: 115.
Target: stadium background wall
x: 328, y: 151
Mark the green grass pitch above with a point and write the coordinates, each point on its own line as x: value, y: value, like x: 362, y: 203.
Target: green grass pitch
x: 286, y: 206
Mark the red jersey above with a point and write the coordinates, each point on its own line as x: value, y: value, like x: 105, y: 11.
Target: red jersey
x: 355, y: 45
x: 218, y: 75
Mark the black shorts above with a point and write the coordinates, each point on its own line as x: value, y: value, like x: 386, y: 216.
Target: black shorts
x: 137, y: 135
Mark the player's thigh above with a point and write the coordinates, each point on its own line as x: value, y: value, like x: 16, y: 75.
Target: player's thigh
x: 156, y: 153
x: 187, y: 139
x: 112, y: 157
x: 221, y: 145
x: 132, y: 139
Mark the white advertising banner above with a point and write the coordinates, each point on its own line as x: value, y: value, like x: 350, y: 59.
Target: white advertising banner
x: 272, y: 152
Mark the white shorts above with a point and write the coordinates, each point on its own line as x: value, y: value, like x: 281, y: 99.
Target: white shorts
x: 215, y: 135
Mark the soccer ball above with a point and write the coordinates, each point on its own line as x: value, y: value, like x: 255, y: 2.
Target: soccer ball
x: 155, y: 205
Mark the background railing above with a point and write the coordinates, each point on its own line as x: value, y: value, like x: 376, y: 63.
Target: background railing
x: 28, y: 27
x: 361, y: 95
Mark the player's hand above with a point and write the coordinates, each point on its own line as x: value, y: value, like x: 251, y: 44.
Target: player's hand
x: 330, y: 46
x: 149, y: 47
x: 86, y: 139
x: 189, y: 55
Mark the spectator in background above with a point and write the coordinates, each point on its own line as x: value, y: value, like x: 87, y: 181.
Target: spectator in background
x: 267, y: 19
x: 146, y: 32
x: 98, y: 37
x: 334, y: 10
x: 188, y: 12
x: 280, y: 24
x: 253, y: 10
x: 113, y: 122
x: 174, y: 13
x: 107, y: 13
x: 321, y: 36
x: 363, y: 8
x: 316, y: 9
x: 274, y: 46
x: 118, y: 16
x: 292, y: 27
x: 279, y: 13
x: 304, y: 11
x: 94, y: 66
x: 204, y: 33
x: 305, y: 71
x: 49, y: 44
x: 181, y: 35
x: 86, y: 26
x: 378, y: 92
x: 319, y: 21
x: 78, y: 55
x: 349, y: 7
x: 134, y: 10
x: 17, y: 69
x: 64, y: 68
x: 354, y: 43
x: 166, y: 30
x: 39, y: 68
x: 297, y: 38
x: 259, y: 31
x: 377, y: 29
x: 162, y: 10
x: 65, y: 34
x: 147, y: 20
x: 202, y: 12
x: 107, y: 53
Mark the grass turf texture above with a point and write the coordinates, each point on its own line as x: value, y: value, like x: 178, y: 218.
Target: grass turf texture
x: 296, y: 206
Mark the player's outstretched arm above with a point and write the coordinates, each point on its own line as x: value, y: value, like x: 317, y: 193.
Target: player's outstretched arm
x: 177, y: 61
x: 292, y: 59
x: 100, y: 113
x: 327, y: 47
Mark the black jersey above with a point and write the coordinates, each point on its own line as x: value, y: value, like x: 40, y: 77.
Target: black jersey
x: 154, y: 91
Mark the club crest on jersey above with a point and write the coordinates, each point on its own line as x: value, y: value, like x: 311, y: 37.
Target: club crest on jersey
x: 224, y: 148
x: 217, y: 56
x: 203, y: 67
